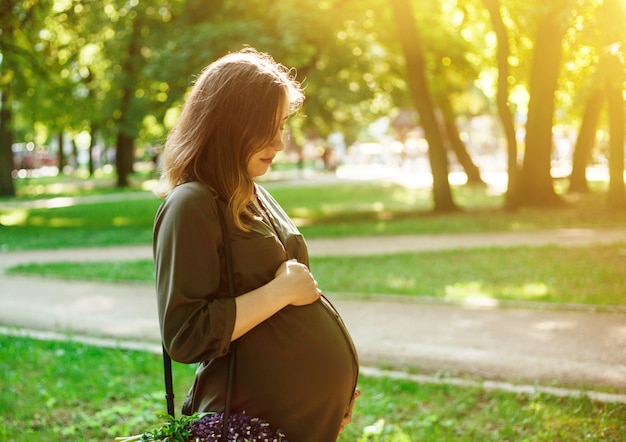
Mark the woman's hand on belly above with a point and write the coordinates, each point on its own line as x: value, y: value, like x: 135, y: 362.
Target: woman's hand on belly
x: 347, y: 418
x: 293, y: 285
x: 296, y: 283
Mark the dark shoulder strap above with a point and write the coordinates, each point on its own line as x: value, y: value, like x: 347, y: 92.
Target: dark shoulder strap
x: 169, y: 389
x: 167, y: 361
x: 231, y: 292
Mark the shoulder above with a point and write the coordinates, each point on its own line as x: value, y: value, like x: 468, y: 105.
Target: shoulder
x: 189, y: 199
x: 192, y: 193
x: 193, y: 190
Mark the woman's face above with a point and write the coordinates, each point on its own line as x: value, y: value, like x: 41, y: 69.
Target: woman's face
x: 261, y: 160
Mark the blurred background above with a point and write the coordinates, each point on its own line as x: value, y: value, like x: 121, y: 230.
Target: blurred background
x: 507, y: 91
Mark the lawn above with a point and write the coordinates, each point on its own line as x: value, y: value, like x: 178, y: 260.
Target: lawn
x: 67, y: 391
x: 77, y: 219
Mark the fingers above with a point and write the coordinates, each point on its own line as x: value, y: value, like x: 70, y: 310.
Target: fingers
x: 318, y: 291
x: 294, y: 265
x: 298, y: 283
x: 347, y: 418
x: 291, y: 266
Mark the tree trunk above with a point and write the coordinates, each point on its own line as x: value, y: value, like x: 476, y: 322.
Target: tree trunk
x: 124, y: 159
x: 611, y: 15
x: 7, y: 187
x: 456, y: 144
x: 536, y: 187
x: 615, y: 98
x: 585, y: 142
x: 74, y: 156
x: 502, y: 100
x: 60, y: 155
x: 92, y: 142
x: 420, y: 95
x: 126, y: 125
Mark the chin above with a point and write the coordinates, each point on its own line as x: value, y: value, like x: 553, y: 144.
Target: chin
x: 259, y: 172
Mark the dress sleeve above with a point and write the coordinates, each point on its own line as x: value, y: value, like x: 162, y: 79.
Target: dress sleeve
x: 196, y: 315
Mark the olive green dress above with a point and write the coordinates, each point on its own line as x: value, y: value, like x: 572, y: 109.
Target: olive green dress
x: 298, y: 369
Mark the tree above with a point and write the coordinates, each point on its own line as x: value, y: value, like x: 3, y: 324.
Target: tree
x: 602, y: 38
x: 536, y: 185
x: 6, y: 154
x: 8, y: 69
x: 612, y: 14
x: 615, y: 98
x: 455, y: 47
x: 453, y: 138
x: 420, y: 94
x: 502, y: 99
x: 137, y: 32
x: 125, y: 122
x: 121, y: 68
x: 586, y: 140
x: 16, y: 25
x: 339, y: 52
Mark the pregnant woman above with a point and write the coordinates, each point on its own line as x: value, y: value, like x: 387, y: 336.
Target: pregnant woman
x: 295, y: 363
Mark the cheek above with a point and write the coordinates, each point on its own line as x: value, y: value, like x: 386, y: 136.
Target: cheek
x: 255, y: 166
x: 251, y: 162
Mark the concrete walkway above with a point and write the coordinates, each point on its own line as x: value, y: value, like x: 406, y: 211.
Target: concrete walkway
x: 578, y: 348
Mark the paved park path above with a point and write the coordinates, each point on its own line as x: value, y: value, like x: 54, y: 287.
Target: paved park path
x: 528, y: 344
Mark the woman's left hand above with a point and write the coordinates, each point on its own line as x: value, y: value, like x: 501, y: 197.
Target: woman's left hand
x: 347, y: 418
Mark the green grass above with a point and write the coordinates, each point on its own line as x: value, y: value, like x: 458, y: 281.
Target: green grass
x: 60, y: 391
x: 68, y: 222
x: 578, y: 275
x: 321, y: 210
x: 117, y: 271
x: 590, y: 275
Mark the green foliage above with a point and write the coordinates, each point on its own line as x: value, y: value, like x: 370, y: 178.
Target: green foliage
x: 106, y: 67
x: 172, y: 430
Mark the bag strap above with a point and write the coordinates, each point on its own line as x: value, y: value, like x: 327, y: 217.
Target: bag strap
x: 167, y: 361
x: 169, y: 390
x: 231, y: 293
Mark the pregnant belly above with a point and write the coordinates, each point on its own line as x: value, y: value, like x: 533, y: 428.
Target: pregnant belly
x: 298, y: 354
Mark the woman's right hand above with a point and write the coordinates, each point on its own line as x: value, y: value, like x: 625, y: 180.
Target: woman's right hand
x: 297, y: 283
x: 293, y: 284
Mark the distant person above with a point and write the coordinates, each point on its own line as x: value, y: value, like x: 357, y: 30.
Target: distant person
x: 296, y: 365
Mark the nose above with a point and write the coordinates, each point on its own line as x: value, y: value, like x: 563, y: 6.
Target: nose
x: 279, y: 143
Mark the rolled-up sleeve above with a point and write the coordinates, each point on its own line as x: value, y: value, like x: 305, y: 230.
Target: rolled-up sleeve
x: 196, y: 315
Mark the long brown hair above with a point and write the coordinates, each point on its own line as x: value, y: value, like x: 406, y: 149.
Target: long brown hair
x: 232, y: 111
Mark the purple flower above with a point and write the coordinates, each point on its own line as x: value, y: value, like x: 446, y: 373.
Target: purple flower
x: 241, y: 428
